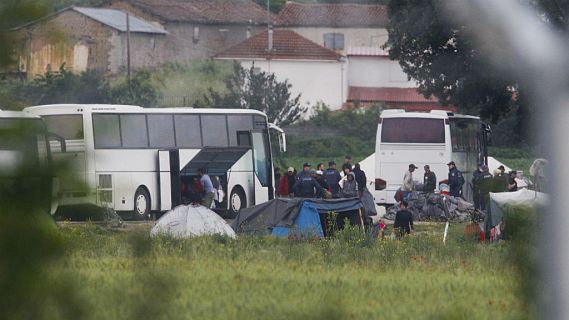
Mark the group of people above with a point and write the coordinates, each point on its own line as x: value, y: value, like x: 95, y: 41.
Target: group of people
x: 483, y: 182
x: 455, y: 181
x: 323, y: 183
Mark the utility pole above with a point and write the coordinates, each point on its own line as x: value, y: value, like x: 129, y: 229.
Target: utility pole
x: 128, y: 47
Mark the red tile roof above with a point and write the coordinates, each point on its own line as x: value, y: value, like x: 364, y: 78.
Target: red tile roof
x: 403, y: 95
x: 332, y: 15
x: 205, y: 11
x: 287, y: 45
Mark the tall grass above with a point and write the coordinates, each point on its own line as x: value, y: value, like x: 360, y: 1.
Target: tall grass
x: 125, y: 274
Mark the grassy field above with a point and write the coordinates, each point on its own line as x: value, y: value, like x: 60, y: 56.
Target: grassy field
x: 122, y: 273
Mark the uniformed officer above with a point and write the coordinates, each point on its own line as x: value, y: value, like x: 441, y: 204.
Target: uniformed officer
x: 332, y: 177
x: 455, y: 180
x: 484, y: 185
x: 307, y: 187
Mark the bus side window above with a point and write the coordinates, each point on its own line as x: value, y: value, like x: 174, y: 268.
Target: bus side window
x: 238, y: 123
x: 188, y: 131
x: 107, y: 131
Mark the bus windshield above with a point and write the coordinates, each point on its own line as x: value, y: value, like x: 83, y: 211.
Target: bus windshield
x: 22, y: 141
x: 412, y: 130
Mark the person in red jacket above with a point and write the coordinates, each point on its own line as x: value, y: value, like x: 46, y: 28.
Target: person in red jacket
x: 286, y: 183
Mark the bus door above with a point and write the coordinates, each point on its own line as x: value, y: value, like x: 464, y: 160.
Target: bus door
x: 262, y: 163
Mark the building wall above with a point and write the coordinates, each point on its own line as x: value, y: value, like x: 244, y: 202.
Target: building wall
x: 316, y: 81
x: 377, y: 72
x: 70, y: 38
x: 180, y: 44
x: 145, y: 51
x: 353, y: 37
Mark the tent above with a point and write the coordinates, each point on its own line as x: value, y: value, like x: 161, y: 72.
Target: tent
x: 306, y: 216
x: 191, y: 221
x: 503, y: 202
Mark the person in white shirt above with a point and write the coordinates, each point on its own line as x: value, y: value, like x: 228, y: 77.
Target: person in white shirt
x: 408, y: 184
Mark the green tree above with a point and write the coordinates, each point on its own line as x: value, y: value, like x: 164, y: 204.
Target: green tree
x: 251, y: 89
x: 139, y: 90
x: 438, y: 54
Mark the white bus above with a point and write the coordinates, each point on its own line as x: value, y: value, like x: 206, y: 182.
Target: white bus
x: 138, y: 160
x: 25, y: 160
x: 433, y: 138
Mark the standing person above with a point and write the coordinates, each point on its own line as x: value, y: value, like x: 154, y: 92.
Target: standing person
x: 361, y: 178
x: 345, y: 174
x: 209, y: 190
x: 484, y: 185
x: 347, y: 163
x: 512, y: 183
x: 429, y: 180
x: 286, y: 182
x: 277, y: 175
x: 475, y: 191
x: 332, y: 177
x: 350, y: 187
x: 403, y: 220
x: 408, y: 184
x: 322, y: 182
x: 306, y: 186
x: 455, y: 180
x: 305, y: 170
x: 320, y: 167
x: 505, y: 178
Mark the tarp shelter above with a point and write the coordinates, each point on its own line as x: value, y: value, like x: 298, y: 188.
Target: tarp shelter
x: 503, y: 202
x: 191, y: 221
x: 286, y: 213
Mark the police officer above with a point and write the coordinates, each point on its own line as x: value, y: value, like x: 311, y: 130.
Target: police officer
x: 455, y: 180
x: 484, y: 185
x: 306, y: 186
x: 332, y: 177
x: 429, y: 180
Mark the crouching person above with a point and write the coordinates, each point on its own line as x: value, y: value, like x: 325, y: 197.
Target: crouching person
x: 403, y: 221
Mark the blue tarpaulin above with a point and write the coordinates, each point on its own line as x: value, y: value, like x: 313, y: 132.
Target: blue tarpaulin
x: 307, y: 224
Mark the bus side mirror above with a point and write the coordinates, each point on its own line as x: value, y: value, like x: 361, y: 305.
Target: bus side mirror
x: 282, y: 142
x: 59, y: 139
x: 281, y: 134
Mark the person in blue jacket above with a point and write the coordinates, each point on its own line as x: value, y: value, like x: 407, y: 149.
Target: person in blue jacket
x: 307, y: 187
x: 332, y: 177
x: 455, y: 180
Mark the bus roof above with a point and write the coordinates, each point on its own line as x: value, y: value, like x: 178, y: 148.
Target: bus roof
x: 96, y: 108
x: 16, y: 114
x: 434, y: 114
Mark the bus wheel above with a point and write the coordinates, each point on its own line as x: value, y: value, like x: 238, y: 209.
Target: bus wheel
x: 141, y: 204
x: 237, y: 201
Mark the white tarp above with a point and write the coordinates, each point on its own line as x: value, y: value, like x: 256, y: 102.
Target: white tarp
x: 191, y: 221
x: 503, y: 201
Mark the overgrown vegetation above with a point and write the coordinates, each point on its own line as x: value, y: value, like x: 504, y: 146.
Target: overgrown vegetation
x: 351, y: 276
x: 64, y: 86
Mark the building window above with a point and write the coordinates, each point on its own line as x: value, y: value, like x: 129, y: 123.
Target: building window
x: 334, y: 41
x: 196, y: 36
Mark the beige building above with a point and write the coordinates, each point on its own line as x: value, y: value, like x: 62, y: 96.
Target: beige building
x: 336, y: 26
x: 86, y: 39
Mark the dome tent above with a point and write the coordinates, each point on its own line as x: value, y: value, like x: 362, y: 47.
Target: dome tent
x: 191, y: 221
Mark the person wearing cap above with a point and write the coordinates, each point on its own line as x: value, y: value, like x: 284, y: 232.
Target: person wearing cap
x: 286, y: 183
x: 484, y: 186
x: 322, y: 182
x: 332, y: 177
x: 429, y: 180
x: 305, y: 169
x: 503, y: 186
x: 306, y: 186
x: 455, y: 180
x: 347, y: 163
x: 408, y: 184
